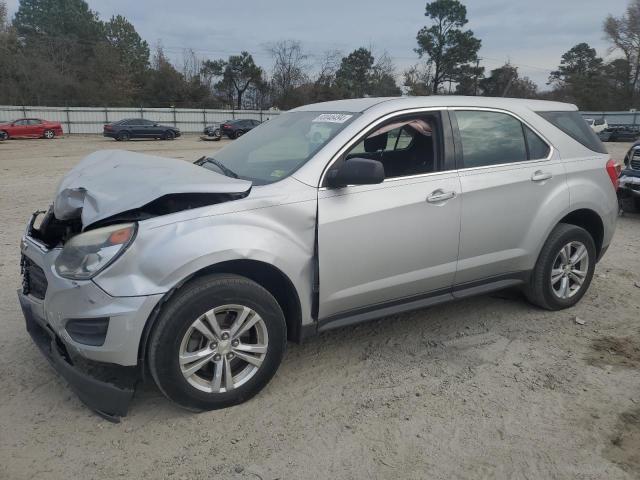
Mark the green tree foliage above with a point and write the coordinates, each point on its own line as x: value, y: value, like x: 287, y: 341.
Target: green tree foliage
x: 238, y: 73
x: 360, y: 75
x: 57, y: 18
x: 581, y: 77
x: 447, y: 47
x: 133, y: 51
x: 506, y: 82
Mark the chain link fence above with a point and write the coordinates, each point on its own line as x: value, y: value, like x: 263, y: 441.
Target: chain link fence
x: 92, y: 119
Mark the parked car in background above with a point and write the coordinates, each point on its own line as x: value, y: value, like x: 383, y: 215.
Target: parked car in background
x: 139, y: 128
x: 200, y: 273
x: 620, y: 133
x: 597, y: 125
x: 629, y: 192
x: 236, y: 128
x: 214, y: 131
x: 30, y: 128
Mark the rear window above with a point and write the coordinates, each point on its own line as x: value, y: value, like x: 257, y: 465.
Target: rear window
x: 575, y: 126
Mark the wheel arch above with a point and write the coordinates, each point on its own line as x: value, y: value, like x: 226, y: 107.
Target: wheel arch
x: 271, y: 278
x: 591, y: 222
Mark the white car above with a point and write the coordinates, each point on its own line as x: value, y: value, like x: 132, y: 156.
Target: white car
x: 597, y: 125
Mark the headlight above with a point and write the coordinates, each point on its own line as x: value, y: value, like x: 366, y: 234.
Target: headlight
x: 86, y: 254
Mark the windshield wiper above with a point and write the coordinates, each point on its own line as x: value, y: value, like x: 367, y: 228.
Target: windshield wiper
x: 227, y: 171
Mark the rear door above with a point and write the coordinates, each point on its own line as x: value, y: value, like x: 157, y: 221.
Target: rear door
x: 512, y: 183
x: 397, y: 241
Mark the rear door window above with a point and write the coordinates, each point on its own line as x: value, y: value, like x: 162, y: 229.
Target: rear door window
x: 575, y: 126
x: 490, y: 138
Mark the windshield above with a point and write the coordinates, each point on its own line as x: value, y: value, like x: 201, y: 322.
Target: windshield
x: 277, y: 148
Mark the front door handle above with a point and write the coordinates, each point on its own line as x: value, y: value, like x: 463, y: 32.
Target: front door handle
x: 540, y: 176
x: 438, y: 196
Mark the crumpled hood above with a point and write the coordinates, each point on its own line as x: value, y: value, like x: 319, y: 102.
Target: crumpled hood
x: 109, y: 182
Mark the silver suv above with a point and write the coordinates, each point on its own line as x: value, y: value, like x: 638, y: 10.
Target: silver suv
x: 325, y: 216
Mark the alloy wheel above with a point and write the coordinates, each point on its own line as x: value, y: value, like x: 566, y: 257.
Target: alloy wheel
x: 569, y: 270
x: 223, y: 349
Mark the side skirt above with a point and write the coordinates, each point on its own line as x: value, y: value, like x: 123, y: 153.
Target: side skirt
x: 417, y: 302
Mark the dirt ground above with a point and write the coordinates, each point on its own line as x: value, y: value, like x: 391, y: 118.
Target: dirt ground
x: 488, y: 387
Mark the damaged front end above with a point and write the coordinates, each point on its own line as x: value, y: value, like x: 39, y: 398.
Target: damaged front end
x: 92, y: 221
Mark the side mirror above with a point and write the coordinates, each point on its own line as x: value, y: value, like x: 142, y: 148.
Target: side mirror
x: 155, y: 124
x: 356, y: 171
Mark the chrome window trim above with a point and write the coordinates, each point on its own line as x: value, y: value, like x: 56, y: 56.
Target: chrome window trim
x: 386, y: 117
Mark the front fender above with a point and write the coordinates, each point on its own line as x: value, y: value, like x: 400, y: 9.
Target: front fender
x: 163, y: 256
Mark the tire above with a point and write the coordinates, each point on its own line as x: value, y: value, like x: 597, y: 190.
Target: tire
x: 4, y: 135
x: 541, y: 290
x: 168, y: 135
x: 123, y: 136
x: 49, y: 134
x: 175, y: 333
x: 237, y: 134
x: 630, y: 204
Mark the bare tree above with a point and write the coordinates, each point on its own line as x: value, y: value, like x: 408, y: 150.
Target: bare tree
x: 624, y: 33
x: 290, y: 70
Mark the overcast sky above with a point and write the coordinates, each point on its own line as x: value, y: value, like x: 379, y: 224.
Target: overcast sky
x: 531, y: 34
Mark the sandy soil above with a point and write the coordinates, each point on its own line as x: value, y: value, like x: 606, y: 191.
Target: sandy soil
x: 483, y: 388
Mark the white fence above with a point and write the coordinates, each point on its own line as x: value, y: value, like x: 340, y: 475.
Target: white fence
x: 92, y: 119
x: 615, y: 118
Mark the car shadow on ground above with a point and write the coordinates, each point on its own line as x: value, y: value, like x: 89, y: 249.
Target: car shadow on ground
x: 416, y: 330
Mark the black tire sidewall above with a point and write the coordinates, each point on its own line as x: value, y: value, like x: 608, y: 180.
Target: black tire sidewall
x: 550, y: 251
x: 191, y: 302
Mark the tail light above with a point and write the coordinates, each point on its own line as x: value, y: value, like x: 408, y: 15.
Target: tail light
x: 613, y: 170
x: 108, y: 127
x: 226, y: 125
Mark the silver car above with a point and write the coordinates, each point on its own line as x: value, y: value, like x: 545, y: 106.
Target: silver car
x: 332, y: 214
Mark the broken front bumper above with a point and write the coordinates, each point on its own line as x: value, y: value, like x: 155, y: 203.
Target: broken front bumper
x: 106, y: 399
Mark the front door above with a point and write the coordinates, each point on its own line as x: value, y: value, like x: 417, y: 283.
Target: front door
x: 394, y: 241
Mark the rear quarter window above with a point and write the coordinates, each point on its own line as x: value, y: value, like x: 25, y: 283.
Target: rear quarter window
x: 574, y: 125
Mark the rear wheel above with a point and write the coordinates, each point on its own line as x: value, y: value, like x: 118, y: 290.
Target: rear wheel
x: 4, y: 135
x: 238, y: 134
x: 564, y: 268
x: 49, y: 134
x: 123, y: 136
x: 217, y: 343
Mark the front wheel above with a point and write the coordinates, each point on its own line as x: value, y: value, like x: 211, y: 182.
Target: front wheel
x: 3, y: 135
x: 168, y: 135
x: 217, y: 343
x: 49, y: 134
x: 564, y: 269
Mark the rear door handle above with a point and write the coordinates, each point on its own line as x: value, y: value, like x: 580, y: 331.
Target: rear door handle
x: 540, y: 176
x: 438, y: 196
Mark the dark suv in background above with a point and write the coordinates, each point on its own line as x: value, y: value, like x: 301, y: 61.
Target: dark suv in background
x: 236, y: 128
x: 139, y: 128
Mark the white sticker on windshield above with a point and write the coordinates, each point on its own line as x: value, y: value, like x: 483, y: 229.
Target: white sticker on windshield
x: 332, y: 117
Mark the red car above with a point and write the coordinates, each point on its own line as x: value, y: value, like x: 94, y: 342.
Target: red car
x: 30, y: 128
